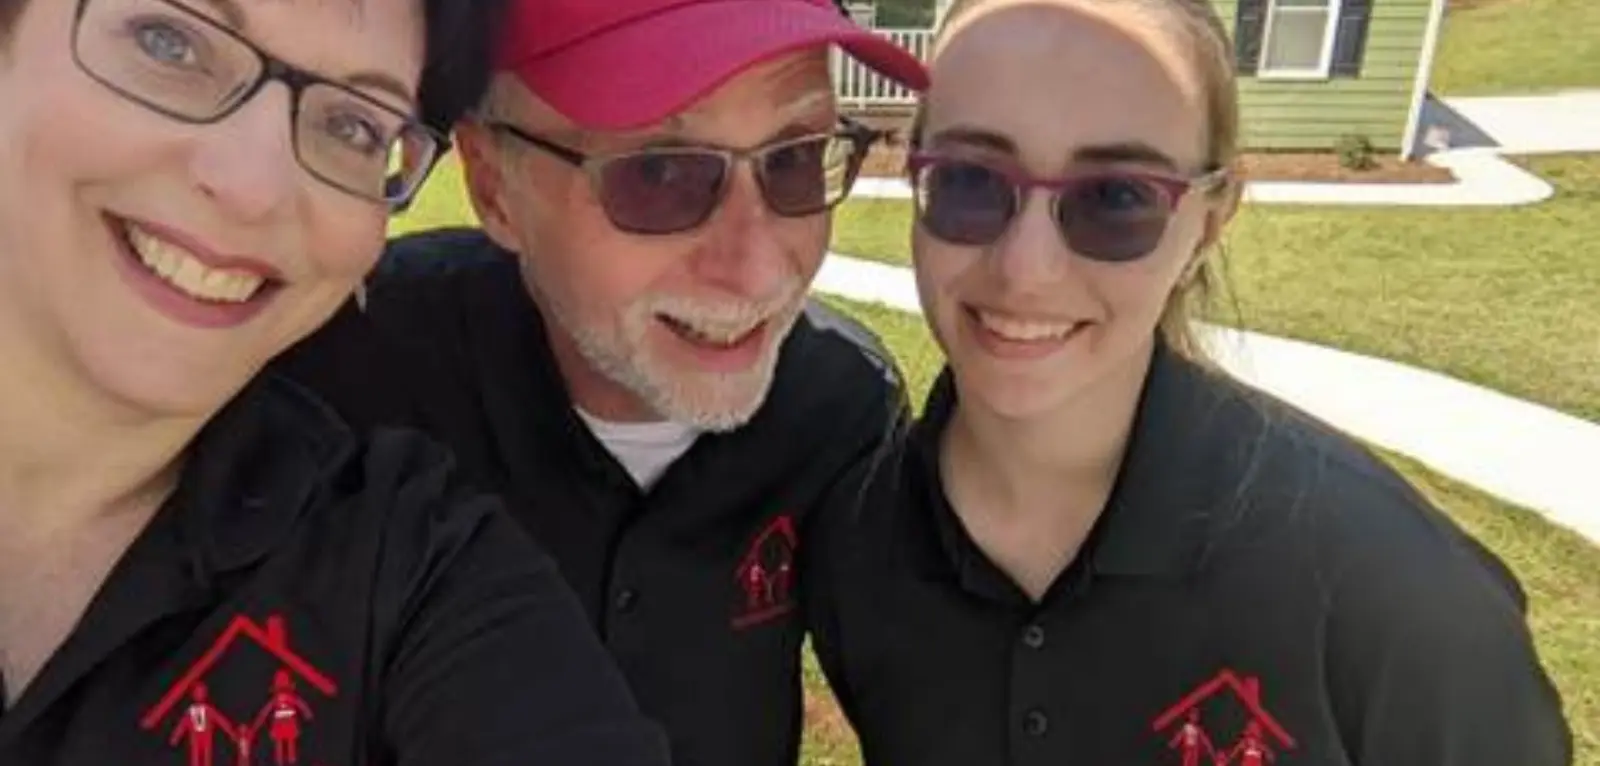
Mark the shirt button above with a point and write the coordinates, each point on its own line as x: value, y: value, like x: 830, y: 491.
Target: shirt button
x: 1033, y: 637
x: 1035, y: 723
x: 626, y: 599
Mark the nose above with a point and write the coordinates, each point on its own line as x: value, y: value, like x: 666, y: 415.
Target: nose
x: 1032, y: 252
x: 246, y: 163
x: 743, y: 253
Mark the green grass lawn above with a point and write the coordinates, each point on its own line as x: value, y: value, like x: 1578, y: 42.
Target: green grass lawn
x: 1507, y: 298
x: 1518, y: 46
x: 1337, y: 276
x: 1560, y: 570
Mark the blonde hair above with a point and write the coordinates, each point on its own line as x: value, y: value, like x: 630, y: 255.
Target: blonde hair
x: 1205, y: 39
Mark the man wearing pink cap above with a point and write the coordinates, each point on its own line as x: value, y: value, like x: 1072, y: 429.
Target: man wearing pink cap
x: 626, y: 350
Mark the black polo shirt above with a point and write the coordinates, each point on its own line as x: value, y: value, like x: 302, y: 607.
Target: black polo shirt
x: 1257, y: 584
x: 340, y: 601
x: 692, y: 585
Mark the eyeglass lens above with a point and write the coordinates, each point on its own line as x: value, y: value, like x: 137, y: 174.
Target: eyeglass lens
x: 665, y: 190
x: 1105, y: 217
x: 179, y: 61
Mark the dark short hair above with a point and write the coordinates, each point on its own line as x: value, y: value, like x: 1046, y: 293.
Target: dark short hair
x: 9, y: 11
x: 459, y: 56
x: 458, y: 61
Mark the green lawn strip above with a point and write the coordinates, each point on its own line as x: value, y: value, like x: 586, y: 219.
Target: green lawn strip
x: 1518, y: 46
x: 1504, y: 297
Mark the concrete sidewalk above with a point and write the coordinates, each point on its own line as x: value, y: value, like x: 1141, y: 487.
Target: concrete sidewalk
x: 1561, y: 122
x: 1530, y: 455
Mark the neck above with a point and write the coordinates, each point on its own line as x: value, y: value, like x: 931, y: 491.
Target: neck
x: 1068, y: 457
x: 69, y: 454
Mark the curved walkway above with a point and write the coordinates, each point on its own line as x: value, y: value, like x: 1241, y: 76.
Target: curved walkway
x: 1530, y: 455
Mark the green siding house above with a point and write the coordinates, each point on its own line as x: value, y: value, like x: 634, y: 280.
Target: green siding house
x: 1312, y: 71
x: 1315, y: 71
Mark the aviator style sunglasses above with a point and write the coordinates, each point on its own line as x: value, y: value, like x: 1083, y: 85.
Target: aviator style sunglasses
x: 671, y: 189
x: 1110, y: 216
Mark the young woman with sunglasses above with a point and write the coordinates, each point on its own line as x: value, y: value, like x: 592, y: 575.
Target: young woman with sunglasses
x: 198, y: 563
x: 1094, y: 547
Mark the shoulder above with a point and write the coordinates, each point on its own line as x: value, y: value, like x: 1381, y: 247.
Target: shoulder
x: 836, y: 339
x: 834, y: 364
x: 1359, y: 519
x: 425, y: 275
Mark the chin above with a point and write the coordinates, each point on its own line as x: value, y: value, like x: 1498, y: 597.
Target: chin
x: 159, y: 381
x: 1008, y: 394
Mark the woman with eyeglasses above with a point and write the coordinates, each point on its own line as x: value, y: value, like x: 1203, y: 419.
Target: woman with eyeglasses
x: 1094, y: 546
x: 198, y: 563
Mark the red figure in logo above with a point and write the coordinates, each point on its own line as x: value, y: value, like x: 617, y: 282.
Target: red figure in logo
x: 200, y: 723
x: 285, y: 709
x: 1251, y: 750
x: 756, y: 586
x: 1191, y: 740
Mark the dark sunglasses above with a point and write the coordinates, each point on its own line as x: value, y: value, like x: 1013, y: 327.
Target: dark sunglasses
x: 671, y: 189
x: 1112, y: 216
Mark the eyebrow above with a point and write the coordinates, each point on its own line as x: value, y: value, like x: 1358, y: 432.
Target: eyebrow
x: 1131, y: 151
x: 1127, y: 151
x: 982, y: 139
x: 232, y: 14
x: 234, y: 17
x: 383, y: 82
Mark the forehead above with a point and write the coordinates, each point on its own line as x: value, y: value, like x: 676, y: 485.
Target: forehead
x: 332, y: 37
x: 1059, y: 76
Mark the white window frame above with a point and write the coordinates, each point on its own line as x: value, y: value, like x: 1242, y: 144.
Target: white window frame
x: 1330, y: 36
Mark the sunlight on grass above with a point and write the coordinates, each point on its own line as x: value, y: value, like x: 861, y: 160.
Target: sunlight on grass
x: 1518, y: 46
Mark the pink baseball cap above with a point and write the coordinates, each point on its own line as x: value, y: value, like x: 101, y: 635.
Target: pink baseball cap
x: 622, y: 64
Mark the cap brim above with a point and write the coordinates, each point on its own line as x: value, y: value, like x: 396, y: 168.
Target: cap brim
x: 640, y: 73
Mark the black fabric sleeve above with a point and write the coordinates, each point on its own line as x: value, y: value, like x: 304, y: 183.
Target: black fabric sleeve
x: 1431, y: 661
x: 491, y: 660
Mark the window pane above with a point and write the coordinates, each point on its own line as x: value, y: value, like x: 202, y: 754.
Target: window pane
x: 1295, y: 40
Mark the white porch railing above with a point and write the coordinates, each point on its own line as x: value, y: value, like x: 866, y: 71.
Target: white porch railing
x: 860, y: 87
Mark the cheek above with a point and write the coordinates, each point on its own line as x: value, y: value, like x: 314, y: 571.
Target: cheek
x: 939, y: 269
x: 590, y: 269
x: 1140, y: 290
x: 345, y: 238
x: 806, y: 240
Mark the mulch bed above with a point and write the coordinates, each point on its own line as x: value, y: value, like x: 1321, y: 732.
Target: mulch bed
x: 889, y: 161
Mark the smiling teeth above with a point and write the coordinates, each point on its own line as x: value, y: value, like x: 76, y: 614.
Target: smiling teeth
x: 179, y: 268
x: 1024, y: 330
x: 719, y: 333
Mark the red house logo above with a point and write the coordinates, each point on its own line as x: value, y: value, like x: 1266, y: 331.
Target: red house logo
x: 1253, y: 747
x: 765, y: 575
x: 200, y: 721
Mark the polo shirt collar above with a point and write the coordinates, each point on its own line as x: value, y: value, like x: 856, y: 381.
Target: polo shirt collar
x: 253, y: 471
x: 1157, y: 518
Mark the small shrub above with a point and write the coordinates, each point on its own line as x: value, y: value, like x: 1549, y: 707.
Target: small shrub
x: 1356, y: 153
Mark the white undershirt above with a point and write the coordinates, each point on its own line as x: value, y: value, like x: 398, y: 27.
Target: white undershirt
x: 644, y: 449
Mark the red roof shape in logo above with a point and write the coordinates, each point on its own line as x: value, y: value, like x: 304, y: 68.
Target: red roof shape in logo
x: 1248, y: 692
x: 272, y: 637
x: 783, y: 526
